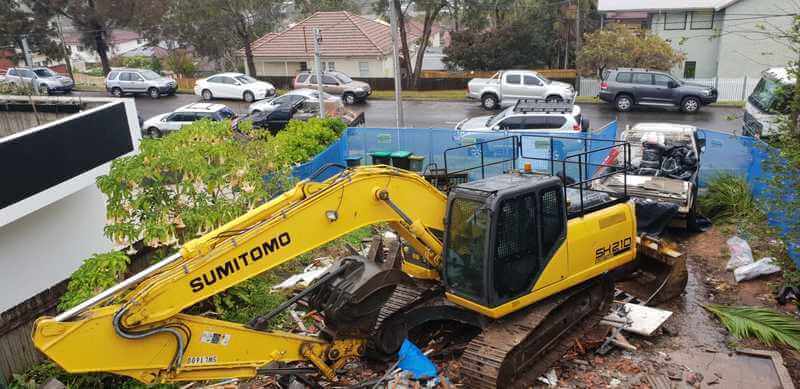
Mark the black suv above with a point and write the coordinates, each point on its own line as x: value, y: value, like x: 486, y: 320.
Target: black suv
x: 628, y: 87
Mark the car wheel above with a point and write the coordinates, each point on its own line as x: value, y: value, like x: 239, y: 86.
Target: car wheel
x: 153, y: 93
x: 624, y: 103
x: 154, y: 132
x: 690, y: 104
x: 116, y: 92
x: 554, y: 99
x: 207, y: 94
x: 349, y: 98
x: 43, y: 90
x: 248, y: 97
x: 489, y: 101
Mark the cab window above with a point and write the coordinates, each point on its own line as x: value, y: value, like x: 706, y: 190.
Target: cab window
x: 661, y: 80
x: 642, y: 78
x: 329, y: 80
x: 512, y: 79
x: 532, y: 81
x: 516, y: 251
x: 466, y: 248
x: 552, y: 222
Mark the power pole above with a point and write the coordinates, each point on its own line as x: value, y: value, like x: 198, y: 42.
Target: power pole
x: 27, y: 51
x: 398, y: 101
x: 318, y: 71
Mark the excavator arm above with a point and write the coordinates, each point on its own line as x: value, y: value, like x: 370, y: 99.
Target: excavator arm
x: 137, y: 328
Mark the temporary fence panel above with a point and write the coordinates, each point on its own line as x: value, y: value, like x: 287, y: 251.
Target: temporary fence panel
x: 748, y: 158
x: 334, y: 154
x: 736, y: 89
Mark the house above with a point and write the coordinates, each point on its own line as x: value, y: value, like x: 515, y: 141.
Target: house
x: 351, y: 43
x: 52, y: 214
x: 720, y: 38
x: 120, y: 42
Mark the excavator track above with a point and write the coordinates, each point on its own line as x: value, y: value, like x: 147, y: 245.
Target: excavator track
x: 512, y: 352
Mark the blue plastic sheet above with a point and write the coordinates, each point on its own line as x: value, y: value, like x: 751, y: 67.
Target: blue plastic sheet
x: 412, y: 360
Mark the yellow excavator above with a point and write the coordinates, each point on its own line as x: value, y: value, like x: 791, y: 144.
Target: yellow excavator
x: 521, y: 257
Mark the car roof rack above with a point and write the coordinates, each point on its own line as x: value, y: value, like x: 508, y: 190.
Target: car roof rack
x: 541, y: 106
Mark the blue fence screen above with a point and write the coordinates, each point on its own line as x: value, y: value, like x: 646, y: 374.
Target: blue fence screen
x: 724, y: 153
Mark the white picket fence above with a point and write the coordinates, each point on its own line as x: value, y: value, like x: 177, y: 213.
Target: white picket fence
x: 729, y: 88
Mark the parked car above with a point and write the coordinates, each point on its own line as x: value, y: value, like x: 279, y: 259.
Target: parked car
x: 122, y: 81
x: 303, y: 95
x: 664, y: 167
x: 627, y: 87
x: 504, y: 88
x: 158, y: 125
x: 277, y: 119
x: 530, y: 115
x: 42, y: 80
x: 337, y: 84
x: 233, y: 86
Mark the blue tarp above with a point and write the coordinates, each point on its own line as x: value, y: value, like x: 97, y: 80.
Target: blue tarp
x: 411, y: 359
x: 724, y: 153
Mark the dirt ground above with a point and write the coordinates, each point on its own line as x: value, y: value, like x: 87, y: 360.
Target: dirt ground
x: 694, y: 350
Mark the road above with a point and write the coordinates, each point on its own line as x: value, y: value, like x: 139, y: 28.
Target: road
x: 445, y: 114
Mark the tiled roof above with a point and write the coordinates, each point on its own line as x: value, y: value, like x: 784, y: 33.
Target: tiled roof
x: 343, y: 35
x: 117, y: 36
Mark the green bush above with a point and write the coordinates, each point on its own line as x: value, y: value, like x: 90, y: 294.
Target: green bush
x: 139, y: 62
x: 302, y: 140
x: 181, y: 63
x: 40, y: 374
x: 8, y: 88
x: 728, y: 197
x: 97, y: 72
x: 96, y: 274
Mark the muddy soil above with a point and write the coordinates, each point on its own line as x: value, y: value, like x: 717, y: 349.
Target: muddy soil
x: 694, y: 350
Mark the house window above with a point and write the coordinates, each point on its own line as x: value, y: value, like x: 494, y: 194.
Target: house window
x: 303, y: 66
x: 363, y: 69
x: 702, y: 20
x: 689, y: 69
x: 675, y: 21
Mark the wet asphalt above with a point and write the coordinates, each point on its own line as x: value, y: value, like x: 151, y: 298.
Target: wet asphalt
x: 445, y: 114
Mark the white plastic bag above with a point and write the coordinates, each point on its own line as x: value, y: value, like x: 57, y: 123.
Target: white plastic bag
x: 761, y: 267
x: 740, y: 253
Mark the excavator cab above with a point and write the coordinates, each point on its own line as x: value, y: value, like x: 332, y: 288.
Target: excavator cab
x: 502, y: 232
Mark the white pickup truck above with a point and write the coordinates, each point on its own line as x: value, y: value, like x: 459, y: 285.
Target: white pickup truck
x: 504, y: 88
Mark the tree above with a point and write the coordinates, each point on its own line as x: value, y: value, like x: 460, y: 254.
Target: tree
x: 617, y: 46
x: 97, y: 19
x: 32, y: 22
x: 307, y: 8
x: 431, y: 10
x: 218, y: 28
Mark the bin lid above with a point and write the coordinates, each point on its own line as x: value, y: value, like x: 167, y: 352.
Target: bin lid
x: 385, y: 154
x: 401, y: 154
x: 352, y: 158
x: 416, y: 157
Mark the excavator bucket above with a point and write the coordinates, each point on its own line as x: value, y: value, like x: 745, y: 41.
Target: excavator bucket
x: 659, y: 273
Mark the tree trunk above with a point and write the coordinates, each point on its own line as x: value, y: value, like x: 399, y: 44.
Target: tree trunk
x: 430, y: 17
x: 401, y: 21
x: 102, y: 49
x: 248, y: 50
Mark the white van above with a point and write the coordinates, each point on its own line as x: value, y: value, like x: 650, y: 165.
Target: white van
x: 768, y: 102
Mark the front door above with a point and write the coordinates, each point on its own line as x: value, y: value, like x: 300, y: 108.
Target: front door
x: 534, y: 87
x: 512, y: 88
x: 662, y: 93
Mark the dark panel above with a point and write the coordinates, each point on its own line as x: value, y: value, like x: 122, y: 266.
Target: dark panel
x: 43, y: 159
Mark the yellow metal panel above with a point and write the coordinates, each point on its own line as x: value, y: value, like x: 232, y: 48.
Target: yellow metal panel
x: 584, y: 238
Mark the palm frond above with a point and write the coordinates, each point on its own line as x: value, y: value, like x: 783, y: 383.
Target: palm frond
x: 764, y: 324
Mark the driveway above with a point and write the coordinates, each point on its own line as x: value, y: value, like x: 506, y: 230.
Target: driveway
x: 445, y: 114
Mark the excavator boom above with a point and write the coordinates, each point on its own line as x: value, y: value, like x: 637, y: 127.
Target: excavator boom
x: 146, y: 336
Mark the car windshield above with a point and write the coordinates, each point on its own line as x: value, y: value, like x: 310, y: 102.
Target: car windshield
x: 770, y: 96
x: 497, y: 118
x: 246, y: 79
x: 345, y: 79
x: 149, y: 74
x: 44, y: 73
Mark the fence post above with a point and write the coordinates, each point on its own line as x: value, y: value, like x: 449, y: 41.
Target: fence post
x: 716, y: 82
x: 744, y: 88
